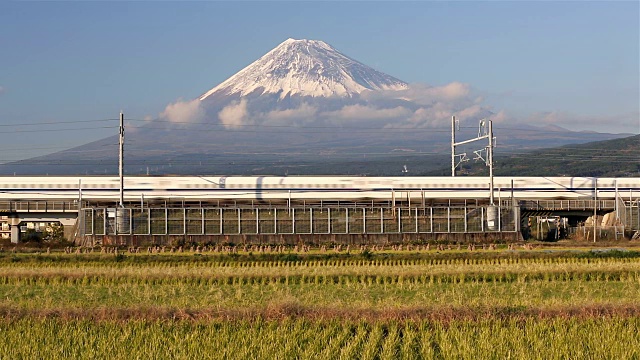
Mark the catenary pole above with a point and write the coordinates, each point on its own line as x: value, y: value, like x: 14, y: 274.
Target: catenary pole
x: 595, y: 206
x: 121, y: 160
x: 453, y: 146
x: 490, y: 157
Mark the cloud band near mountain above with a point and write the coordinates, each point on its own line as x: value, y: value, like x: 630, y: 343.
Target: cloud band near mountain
x: 417, y: 106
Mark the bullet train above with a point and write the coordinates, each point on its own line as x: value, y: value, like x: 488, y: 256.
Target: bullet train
x: 350, y: 188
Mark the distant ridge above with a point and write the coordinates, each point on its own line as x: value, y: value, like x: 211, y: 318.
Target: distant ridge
x: 609, y: 158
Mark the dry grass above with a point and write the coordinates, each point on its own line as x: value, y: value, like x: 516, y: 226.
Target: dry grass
x: 287, y: 310
x: 452, y: 305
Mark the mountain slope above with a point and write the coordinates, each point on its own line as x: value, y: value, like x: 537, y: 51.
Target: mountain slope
x: 307, y: 68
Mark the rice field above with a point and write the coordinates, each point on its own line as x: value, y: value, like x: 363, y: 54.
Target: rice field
x: 314, y: 305
x: 289, y: 339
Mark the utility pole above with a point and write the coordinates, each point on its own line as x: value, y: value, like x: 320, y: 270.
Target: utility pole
x: 79, y: 194
x: 595, y: 206
x: 80, y: 216
x: 121, y: 160
x: 453, y: 146
x: 516, y: 214
x: 490, y: 160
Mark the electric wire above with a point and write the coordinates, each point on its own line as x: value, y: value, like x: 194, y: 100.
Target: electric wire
x: 611, y: 155
x: 56, y: 122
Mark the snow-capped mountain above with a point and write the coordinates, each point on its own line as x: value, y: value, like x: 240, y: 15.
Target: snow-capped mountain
x: 305, y: 68
x: 303, y: 107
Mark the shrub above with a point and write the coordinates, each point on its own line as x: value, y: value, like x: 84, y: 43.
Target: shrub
x: 31, y: 235
x: 54, y: 233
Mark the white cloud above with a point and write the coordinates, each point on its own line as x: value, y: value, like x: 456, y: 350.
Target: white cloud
x: 417, y: 106
x: 184, y: 112
x: 429, y: 117
x: 235, y: 114
x: 433, y: 106
x: 500, y: 117
x: 424, y: 94
x: 131, y: 127
x: 452, y: 91
x: 302, y: 114
x: 360, y: 112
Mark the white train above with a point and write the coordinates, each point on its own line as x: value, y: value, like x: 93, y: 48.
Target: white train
x: 265, y: 188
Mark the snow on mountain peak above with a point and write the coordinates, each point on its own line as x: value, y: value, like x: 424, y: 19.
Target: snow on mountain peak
x: 305, y: 68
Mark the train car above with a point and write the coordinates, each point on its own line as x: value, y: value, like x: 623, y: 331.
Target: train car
x: 349, y: 188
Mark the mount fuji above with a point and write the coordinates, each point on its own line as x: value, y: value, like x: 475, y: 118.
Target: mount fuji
x: 305, y: 68
x: 302, y: 108
x: 301, y: 83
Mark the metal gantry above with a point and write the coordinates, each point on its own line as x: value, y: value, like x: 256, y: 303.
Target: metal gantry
x: 485, y: 131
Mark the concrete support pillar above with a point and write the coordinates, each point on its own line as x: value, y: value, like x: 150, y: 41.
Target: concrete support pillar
x: 15, y: 234
x: 14, y: 223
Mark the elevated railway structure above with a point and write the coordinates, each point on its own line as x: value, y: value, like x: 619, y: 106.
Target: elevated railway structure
x: 287, y: 209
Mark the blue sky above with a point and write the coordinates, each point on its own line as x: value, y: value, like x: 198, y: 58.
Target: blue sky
x: 574, y: 63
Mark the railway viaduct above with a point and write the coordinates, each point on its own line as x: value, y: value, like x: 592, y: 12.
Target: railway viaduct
x: 165, y: 222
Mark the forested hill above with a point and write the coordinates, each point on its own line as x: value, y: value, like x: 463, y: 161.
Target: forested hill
x: 610, y: 158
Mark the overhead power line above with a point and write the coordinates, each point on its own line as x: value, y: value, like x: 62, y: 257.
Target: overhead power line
x: 261, y: 126
x: 438, y: 129
x: 58, y: 130
x: 272, y: 162
x: 55, y: 122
